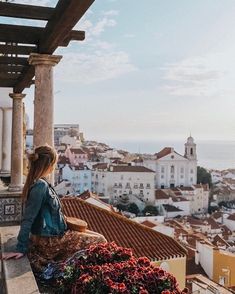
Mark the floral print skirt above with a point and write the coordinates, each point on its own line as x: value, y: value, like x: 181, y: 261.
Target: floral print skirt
x: 52, y: 249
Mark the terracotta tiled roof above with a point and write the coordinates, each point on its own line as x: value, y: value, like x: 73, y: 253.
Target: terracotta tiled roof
x: 148, y: 224
x: 165, y: 151
x: 160, y: 194
x: 232, y: 217
x: 186, y: 189
x: 63, y: 160
x: 77, y: 151
x: 102, y: 166
x: 217, y: 214
x: 171, y: 208
x: 214, y: 225
x: 143, y: 240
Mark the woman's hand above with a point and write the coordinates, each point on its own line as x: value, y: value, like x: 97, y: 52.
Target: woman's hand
x: 9, y: 255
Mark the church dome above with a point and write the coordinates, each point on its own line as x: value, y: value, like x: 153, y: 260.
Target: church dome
x: 190, y: 140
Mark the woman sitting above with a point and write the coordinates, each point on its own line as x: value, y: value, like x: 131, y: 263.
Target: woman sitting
x: 43, y: 230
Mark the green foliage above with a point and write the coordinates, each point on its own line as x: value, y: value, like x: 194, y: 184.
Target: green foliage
x: 150, y: 209
x: 133, y: 208
x: 203, y: 176
x: 121, y: 207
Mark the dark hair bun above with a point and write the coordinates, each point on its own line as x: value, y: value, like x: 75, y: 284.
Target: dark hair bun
x: 33, y: 156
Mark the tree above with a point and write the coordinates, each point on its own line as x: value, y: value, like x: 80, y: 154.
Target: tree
x: 121, y: 207
x: 150, y: 209
x: 133, y: 208
x: 203, y: 176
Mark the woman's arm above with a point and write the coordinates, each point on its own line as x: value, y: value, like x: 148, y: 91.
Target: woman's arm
x: 33, y: 205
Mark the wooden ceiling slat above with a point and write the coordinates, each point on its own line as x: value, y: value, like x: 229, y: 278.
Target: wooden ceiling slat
x: 66, y: 15
x: 11, y: 68
x: 20, y: 34
x: 7, y: 83
x: 25, y: 11
x: 13, y: 60
x: 17, y: 49
x: 4, y: 76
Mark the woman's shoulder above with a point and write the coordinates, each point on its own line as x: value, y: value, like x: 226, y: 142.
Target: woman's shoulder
x: 40, y: 184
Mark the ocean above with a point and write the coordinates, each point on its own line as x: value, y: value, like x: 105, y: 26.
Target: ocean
x: 211, y: 154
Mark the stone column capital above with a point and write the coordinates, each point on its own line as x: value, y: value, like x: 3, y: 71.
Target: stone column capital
x: 44, y: 59
x: 17, y: 95
x: 6, y: 108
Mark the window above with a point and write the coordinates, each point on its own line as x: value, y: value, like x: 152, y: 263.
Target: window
x: 191, y: 151
x: 141, y: 192
x: 162, y: 176
x: 172, y: 176
x: 182, y: 170
x: 162, y: 186
x: 191, y: 171
x: 148, y: 186
x: 172, y: 156
x: 172, y: 169
x: 182, y: 176
x: 141, y: 186
x: 121, y: 177
x: 162, y: 169
x: 191, y: 179
x: 135, y: 186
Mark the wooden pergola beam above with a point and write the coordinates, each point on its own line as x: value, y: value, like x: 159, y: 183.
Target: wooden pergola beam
x: 17, y: 49
x: 66, y: 15
x: 11, y: 68
x: 73, y: 36
x: 26, y: 11
x: 10, y: 76
x: 7, y: 83
x: 20, y: 34
x: 13, y: 60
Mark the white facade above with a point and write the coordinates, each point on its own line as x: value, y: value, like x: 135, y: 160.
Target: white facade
x: 173, y: 169
x: 116, y: 181
x: 80, y: 178
x: 198, y: 195
x: 204, y: 257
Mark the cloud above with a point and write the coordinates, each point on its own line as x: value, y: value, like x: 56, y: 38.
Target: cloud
x: 111, y: 13
x: 200, y: 75
x: 100, y: 26
x: 98, y: 66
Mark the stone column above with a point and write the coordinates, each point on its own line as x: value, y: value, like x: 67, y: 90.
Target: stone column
x: 1, y: 139
x: 6, y: 140
x: 44, y: 99
x: 17, y: 142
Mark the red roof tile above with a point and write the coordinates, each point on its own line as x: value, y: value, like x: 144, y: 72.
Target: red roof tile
x: 143, y: 240
x: 148, y: 224
x: 160, y: 194
x: 165, y: 151
x: 232, y: 217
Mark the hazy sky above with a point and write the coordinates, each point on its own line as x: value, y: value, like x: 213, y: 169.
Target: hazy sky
x: 153, y: 69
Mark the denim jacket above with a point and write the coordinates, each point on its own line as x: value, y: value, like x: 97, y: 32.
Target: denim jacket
x: 42, y: 215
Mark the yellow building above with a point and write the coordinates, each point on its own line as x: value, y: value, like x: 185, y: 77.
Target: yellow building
x: 224, y: 267
x: 176, y: 266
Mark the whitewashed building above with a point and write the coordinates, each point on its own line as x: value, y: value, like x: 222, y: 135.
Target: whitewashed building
x: 115, y: 181
x: 79, y: 177
x: 173, y: 169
